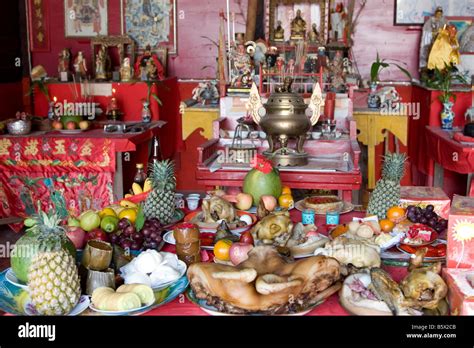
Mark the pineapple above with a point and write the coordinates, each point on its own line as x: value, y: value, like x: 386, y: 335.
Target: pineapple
x: 53, y: 278
x: 387, y: 190
x: 160, y: 202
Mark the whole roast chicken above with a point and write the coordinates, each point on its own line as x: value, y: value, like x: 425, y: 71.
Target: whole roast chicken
x: 217, y: 208
x: 274, y: 229
x: 265, y: 283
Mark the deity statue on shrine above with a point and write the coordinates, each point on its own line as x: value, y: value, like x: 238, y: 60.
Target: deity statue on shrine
x: 146, y: 71
x: 126, y: 70
x: 241, y: 68
x: 337, y: 78
x: 430, y: 31
x: 101, y: 64
x: 313, y: 34
x: 80, y: 65
x: 338, y: 23
x: 298, y: 27
x: 64, y: 60
x: 279, y: 34
x: 445, y: 50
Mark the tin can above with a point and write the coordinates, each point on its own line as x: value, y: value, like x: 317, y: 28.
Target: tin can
x: 332, y: 218
x: 308, y: 216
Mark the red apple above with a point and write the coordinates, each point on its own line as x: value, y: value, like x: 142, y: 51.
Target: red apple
x: 239, y: 252
x: 57, y: 125
x: 77, y: 236
x: 71, y: 125
x: 246, y: 238
x: 97, y: 234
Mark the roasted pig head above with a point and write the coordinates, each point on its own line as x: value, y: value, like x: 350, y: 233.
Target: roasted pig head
x: 265, y: 283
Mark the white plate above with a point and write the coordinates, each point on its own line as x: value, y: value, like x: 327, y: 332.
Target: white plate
x: 182, y: 268
x: 82, y: 305
x: 169, y: 238
x: 347, y: 208
x: 70, y: 131
x: 253, y: 210
x: 114, y: 313
x: 11, y: 278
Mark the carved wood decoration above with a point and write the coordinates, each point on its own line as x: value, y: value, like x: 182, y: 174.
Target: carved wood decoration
x: 119, y: 41
x: 275, y: 3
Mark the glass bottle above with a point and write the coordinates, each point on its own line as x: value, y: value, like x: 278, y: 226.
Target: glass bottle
x: 140, y: 175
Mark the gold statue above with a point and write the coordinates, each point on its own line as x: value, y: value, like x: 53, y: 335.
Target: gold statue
x: 126, y: 70
x: 445, y: 50
x: 279, y: 34
x: 298, y: 27
x: 314, y: 34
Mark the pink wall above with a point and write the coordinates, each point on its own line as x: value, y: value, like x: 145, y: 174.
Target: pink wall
x: 375, y: 32
x: 197, y: 18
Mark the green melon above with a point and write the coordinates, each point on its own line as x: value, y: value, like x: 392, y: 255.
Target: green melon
x: 258, y: 184
x: 27, y: 247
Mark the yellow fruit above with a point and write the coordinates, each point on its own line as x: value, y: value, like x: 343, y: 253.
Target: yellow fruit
x: 128, y: 195
x: 386, y: 225
x: 286, y: 190
x: 127, y: 204
x: 286, y: 201
x: 107, y: 212
x: 137, y: 189
x: 129, y: 214
x: 147, y: 185
x: 222, y: 250
x: 396, y: 214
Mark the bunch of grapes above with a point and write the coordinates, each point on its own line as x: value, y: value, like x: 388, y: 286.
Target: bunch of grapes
x: 426, y: 216
x: 128, y: 237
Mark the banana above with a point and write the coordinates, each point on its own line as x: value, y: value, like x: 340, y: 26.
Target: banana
x: 137, y: 189
x: 127, y: 204
x: 147, y: 185
x: 128, y: 195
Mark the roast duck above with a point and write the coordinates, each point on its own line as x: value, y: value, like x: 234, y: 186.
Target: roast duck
x: 266, y: 283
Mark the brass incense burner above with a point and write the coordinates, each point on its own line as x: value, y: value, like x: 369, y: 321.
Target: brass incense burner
x: 285, y: 116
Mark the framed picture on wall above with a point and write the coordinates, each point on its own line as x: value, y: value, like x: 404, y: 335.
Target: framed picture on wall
x: 85, y: 18
x: 151, y: 22
x: 410, y: 12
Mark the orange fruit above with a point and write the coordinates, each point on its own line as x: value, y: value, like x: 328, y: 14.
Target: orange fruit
x: 286, y: 201
x: 386, y: 225
x: 221, y: 249
x: 396, y: 214
x: 286, y: 190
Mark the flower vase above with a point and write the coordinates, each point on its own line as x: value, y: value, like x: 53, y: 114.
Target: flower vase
x: 373, y: 100
x: 447, y: 116
x: 146, y: 112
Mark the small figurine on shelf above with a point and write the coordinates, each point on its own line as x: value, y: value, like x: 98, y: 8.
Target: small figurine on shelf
x: 314, y: 34
x: 279, y: 34
x: 280, y: 64
x: 142, y: 68
x: 151, y: 70
x: 64, y: 62
x: 80, y: 65
x: 206, y: 93
x: 298, y: 27
x: 445, y: 50
x: 290, y: 70
x: 430, y: 31
x: 241, y: 68
x: 126, y: 70
x: 338, y: 23
x: 338, y: 83
x: 101, y: 64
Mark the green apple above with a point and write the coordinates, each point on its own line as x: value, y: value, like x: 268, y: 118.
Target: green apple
x: 73, y: 222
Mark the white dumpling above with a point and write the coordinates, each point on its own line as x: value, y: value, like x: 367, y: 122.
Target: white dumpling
x: 147, y: 261
x: 170, y: 260
x: 162, y: 275
x: 137, y: 278
x: 129, y: 268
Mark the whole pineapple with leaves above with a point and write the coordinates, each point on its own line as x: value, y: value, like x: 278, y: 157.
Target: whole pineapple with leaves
x: 47, y: 256
x: 160, y: 202
x: 387, y: 190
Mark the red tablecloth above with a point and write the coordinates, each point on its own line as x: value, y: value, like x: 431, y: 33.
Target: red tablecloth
x: 449, y: 153
x: 182, y: 306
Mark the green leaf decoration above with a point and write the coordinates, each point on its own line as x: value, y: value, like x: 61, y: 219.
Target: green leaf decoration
x: 140, y: 221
